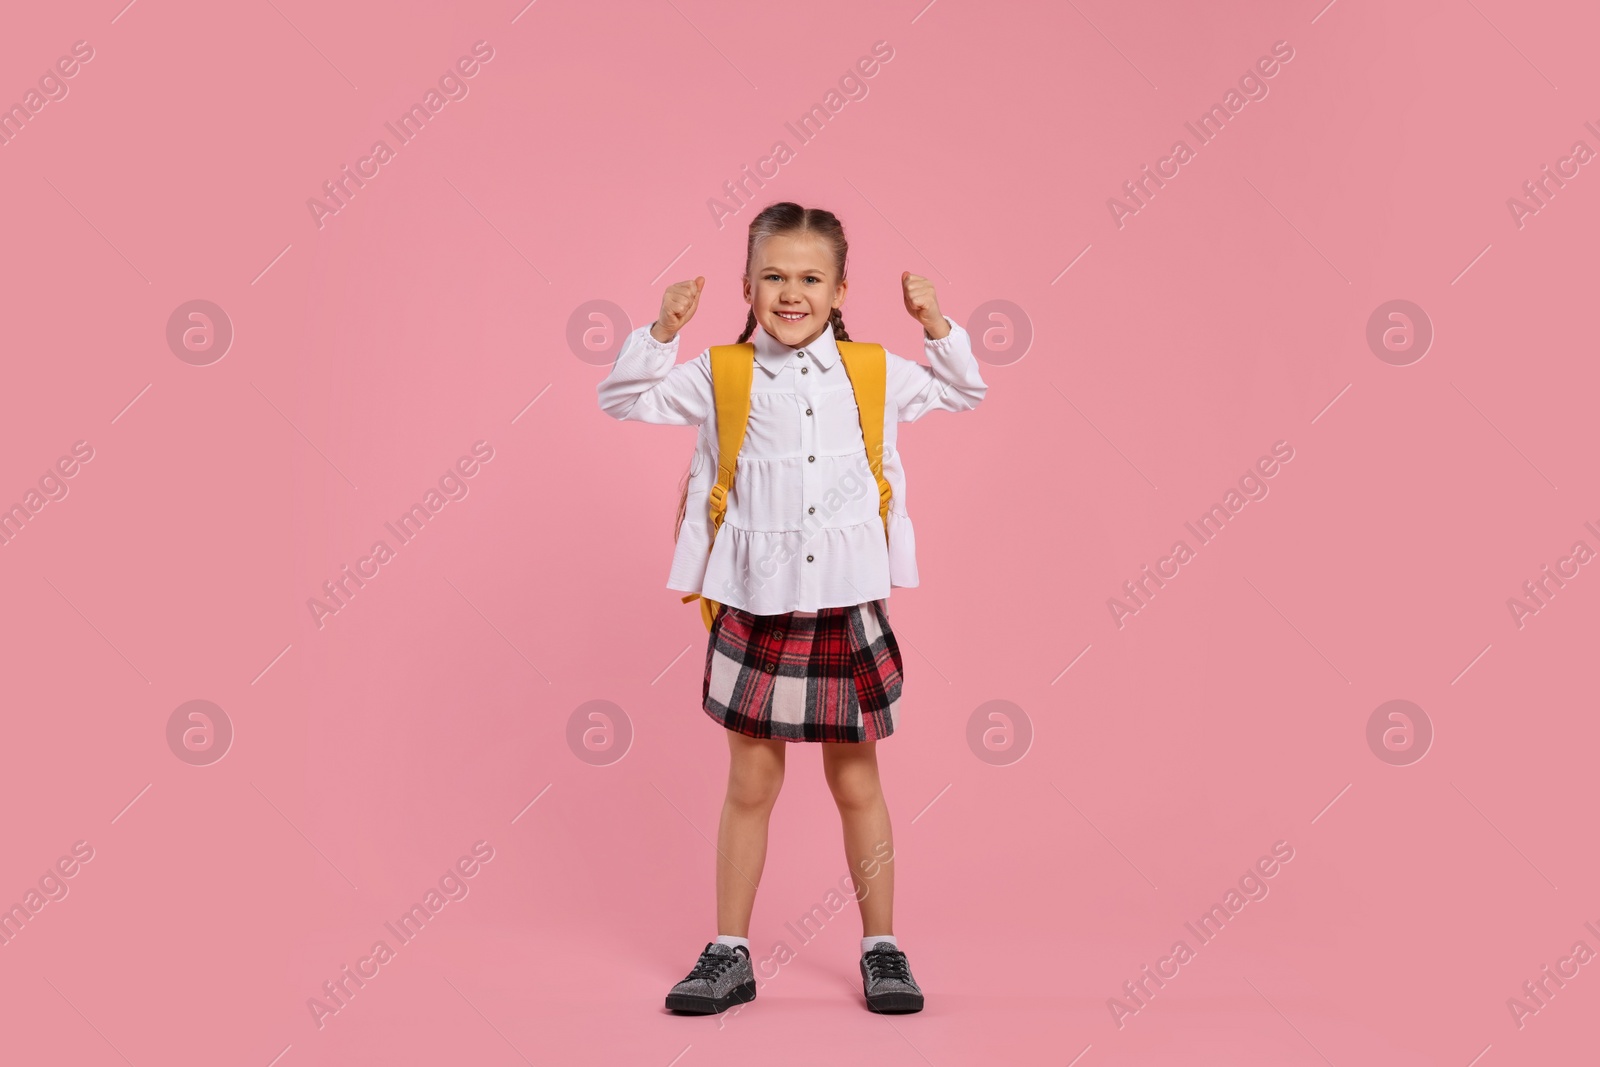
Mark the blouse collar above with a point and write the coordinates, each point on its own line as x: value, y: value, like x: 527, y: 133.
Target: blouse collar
x: 772, y: 353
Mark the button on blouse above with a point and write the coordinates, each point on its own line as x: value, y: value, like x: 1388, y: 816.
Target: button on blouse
x: 797, y: 536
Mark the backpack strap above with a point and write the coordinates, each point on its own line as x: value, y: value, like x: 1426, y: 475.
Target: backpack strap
x: 732, y: 373
x: 868, y: 367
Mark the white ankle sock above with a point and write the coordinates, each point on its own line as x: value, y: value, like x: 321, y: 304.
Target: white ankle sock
x: 731, y: 939
x: 868, y: 942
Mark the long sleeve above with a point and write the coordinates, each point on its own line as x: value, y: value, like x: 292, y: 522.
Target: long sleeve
x: 949, y: 382
x: 647, y: 385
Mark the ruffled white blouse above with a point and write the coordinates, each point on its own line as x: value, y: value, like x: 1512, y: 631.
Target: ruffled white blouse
x: 802, y: 531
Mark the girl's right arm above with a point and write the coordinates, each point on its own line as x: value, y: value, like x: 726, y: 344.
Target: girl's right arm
x: 646, y: 384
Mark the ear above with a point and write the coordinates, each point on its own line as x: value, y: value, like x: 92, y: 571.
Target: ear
x: 747, y: 299
x: 839, y: 294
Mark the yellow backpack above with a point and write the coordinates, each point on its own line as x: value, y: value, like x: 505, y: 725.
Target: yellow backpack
x: 733, y: 369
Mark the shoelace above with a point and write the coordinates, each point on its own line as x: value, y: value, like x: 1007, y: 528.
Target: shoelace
x: 711, y: 965
x: 890, y: 964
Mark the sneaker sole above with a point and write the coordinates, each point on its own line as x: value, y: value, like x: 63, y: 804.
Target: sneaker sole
x: 688, y: 1002
x: 894, y: 1003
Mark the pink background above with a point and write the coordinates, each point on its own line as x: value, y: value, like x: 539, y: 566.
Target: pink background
x: 433, y: 310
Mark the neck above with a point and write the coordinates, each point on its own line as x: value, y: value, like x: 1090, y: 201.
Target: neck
x: 808, y: 340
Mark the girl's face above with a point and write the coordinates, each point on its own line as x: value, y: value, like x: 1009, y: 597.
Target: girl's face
x: 792, y: 287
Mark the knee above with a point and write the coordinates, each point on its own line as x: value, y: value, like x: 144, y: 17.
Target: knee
x: 754, y: 791
x: 855, y: 791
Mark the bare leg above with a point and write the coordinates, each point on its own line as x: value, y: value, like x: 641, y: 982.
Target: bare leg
x: 755, y: 775
x: 852, y: 773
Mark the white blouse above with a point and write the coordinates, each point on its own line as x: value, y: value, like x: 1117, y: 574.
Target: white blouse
x: 802, y: 530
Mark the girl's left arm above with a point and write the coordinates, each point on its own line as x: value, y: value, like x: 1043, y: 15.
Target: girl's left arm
x: 950, y: 381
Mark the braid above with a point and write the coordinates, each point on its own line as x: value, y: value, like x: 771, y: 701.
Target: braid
x: 749, y: 328
x: 839, y: 332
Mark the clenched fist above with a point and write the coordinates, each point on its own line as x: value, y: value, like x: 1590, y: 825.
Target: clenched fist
x: 923, y: 305
x: 678, y: 304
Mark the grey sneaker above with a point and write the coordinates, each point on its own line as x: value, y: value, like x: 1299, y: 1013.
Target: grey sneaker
x: 721, y: 978
x: 887, y: 982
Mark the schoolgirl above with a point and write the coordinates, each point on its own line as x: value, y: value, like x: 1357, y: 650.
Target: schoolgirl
x: 793, y: 545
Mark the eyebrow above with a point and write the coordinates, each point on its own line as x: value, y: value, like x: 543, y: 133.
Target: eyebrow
x: 806, y: 270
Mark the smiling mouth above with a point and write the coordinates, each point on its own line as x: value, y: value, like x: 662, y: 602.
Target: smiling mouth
x: 791, y: 316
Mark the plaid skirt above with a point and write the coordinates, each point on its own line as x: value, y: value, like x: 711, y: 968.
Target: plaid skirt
x: 829, y: 675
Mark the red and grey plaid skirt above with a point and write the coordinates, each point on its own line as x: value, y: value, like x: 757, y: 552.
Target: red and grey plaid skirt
x: 830, y: 675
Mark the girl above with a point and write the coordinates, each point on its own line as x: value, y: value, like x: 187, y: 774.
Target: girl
x: 801, y: 649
